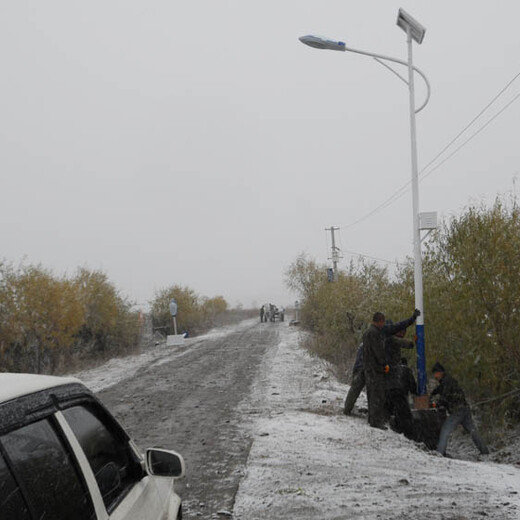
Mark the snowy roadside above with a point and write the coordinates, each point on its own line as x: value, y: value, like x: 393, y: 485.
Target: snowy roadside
x: 119, y: 369
x: 310, y: 461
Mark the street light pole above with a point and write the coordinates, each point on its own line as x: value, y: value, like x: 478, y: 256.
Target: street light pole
x: 414, y: 31
x: 418, y: 281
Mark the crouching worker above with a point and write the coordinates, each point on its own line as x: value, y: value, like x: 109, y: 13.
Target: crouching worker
x: 452, y: 397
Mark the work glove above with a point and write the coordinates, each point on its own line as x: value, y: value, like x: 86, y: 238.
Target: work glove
x: 416, y: 313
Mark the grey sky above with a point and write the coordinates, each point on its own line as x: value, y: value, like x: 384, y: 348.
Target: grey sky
x: 201, y: 143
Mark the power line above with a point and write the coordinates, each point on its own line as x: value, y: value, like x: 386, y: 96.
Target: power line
x: 470, y: 138
x: 371, y: 257
x: 422, y: 175
x: 396, y: 195
x: 404, y: 188
x: 472, y: 121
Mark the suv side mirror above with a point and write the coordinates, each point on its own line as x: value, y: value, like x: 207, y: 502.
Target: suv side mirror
x: 164, y: 463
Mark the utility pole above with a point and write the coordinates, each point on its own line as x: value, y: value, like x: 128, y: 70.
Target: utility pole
x: 335, y: 252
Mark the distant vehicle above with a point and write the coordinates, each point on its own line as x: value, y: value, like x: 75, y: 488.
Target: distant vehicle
x: 272, y: 313
x: 64, y: 456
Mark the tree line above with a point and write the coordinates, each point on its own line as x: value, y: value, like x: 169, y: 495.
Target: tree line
x: 50, y: 324
x: 195, y: 313
x: 471, y: 275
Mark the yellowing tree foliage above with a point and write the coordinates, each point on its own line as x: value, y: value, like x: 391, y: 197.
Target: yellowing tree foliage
x: 46, y: 320
x: 39, y: 313
x: 194, y: 313
x: 471, y: 271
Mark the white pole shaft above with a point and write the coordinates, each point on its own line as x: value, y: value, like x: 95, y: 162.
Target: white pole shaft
x: 419, y: 326
x: 415, y: 191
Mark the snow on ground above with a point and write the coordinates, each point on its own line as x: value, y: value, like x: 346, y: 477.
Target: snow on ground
x: 118, y: 369
x: 310, y: 461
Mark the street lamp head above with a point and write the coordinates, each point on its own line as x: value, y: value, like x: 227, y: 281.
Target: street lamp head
x: 320, y: 42
x: 405, y: 21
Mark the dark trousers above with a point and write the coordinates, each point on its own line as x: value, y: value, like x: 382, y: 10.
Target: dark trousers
x: 460, y: 416
x: 357, y: 384
x: 397, y: 404
x: 376, y: 395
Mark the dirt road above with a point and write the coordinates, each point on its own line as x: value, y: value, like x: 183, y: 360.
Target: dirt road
x: 187, y: 401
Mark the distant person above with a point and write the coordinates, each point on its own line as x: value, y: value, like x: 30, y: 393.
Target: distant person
x: 262, y: 314
x: 375, y: 366
x: 452, y: 397
x: 396, y: 399
x: 357, y: 382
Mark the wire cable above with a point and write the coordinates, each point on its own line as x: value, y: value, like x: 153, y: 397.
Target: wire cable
x: 404, y: 188
x: 424, y: 175
x: 371, y: 257
x: 471, y: 122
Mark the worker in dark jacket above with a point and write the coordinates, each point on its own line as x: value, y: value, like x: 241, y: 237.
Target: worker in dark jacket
x: 375, y: 365
x: 357, y: 383
x: 408, y: 382
x: 396, y: 399
x: 452, y: 397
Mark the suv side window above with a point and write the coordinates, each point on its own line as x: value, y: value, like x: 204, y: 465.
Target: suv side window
x: 114, y: 465
x: 12, y: 504
x: 48, y: 476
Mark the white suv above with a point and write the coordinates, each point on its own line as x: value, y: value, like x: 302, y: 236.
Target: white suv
x: 64, y: 457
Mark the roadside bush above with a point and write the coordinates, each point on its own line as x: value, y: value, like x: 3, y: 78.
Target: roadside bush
x: 471, y: 270
x: 213, y: 311
x: 195, y: 314
x: 47, y: 322
x: 110, y: 327
x: 337, y: 312
x: 40, y: 317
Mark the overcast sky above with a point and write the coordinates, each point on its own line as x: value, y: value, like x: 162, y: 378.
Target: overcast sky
x: 200, y: 143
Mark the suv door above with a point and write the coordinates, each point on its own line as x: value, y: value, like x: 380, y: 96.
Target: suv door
x: 126, y: 490
x: 43, y: 475
x: 12, y: 503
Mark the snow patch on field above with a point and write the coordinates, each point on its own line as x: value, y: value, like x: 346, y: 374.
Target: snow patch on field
x: 310, y: 461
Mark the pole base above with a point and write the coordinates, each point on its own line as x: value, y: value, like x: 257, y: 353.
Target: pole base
x: 421, y: 402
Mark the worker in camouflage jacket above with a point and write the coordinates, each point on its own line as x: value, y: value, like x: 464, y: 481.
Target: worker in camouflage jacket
x: 396, y: 399
x: 452, y: 397
x: 375, y: 365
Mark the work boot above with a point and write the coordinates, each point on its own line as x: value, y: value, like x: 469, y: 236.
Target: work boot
x: 379, y: 426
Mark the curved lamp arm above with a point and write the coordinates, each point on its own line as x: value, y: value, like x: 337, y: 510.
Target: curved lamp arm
x: 320, y: 42
x: 380, y: 58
